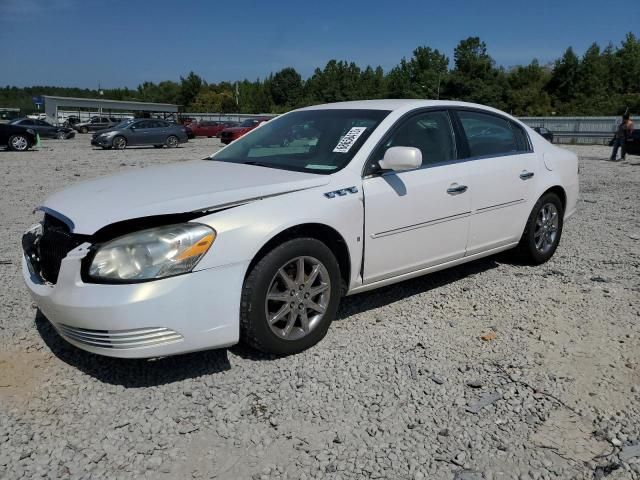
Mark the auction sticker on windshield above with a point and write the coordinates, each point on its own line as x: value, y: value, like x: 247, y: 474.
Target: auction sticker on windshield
x: 351, y: 137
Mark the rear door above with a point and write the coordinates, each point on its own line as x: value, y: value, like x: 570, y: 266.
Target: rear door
x: 418, y: 218
x: 502, y: 169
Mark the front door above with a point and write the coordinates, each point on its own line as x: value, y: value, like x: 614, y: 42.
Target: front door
x: 418, y: 218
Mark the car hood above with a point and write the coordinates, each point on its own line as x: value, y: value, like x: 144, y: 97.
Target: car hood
x: 177, y: 188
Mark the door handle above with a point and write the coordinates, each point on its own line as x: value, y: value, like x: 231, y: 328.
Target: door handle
x: 458, y: 189
x: 524, y: 175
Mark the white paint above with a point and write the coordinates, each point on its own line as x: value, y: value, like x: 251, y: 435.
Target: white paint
x: 413, y: 226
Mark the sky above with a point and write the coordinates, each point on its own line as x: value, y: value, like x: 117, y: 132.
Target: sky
x: 117, y: 43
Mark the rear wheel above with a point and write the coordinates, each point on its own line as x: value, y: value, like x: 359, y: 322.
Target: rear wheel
x: 18, y: 143
x: 543, y: 230
x: 290, y: 297
x: 84, y: 130
x: 172, y: 141
x: 119, y: 143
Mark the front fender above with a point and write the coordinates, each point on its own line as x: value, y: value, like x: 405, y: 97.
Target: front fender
x: 242, y: 231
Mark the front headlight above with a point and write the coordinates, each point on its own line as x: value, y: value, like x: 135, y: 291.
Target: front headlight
x: 151, y: 254
x: 107, y: 134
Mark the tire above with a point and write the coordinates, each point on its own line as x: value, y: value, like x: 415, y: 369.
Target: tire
x: 84, y: 130
x: 172, y: 141
x: 119, y: 143
x: 318, y: 298
x: 18, y: 143
x: 543, y: 230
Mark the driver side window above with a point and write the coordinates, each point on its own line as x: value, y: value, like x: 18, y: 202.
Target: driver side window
x: 429, y: 132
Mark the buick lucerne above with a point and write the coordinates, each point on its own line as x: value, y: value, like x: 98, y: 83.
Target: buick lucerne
x: 259, y: 242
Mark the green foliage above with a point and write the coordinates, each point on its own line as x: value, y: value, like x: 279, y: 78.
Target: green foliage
x: 601, y: 82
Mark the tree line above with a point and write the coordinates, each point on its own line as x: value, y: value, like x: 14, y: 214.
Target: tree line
x: 603, y: 81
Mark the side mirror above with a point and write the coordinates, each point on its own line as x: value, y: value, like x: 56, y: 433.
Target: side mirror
x: 399, y: 159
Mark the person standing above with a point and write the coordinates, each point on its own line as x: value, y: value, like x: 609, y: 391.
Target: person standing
x: 624, y: 131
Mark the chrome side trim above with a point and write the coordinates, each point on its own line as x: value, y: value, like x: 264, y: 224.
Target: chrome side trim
x: 500, y: 205
x: 420, y: 225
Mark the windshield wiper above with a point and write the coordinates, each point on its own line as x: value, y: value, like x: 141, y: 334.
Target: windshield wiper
x: 258, y: 164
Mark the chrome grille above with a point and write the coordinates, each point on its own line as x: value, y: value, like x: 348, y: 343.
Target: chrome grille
x: 120, y: 339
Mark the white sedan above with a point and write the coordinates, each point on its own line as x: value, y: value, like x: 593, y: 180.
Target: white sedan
x: 258, y: 242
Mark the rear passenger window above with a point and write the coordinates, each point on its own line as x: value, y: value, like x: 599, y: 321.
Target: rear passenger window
x: 430, y: 132
x: 491, y: 135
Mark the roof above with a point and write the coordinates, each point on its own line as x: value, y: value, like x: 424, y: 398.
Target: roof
x: 404, y: 105
x: 102, y: 100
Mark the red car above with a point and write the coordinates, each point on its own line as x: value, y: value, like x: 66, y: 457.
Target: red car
x: 228, y: 135
x: 210, y: 128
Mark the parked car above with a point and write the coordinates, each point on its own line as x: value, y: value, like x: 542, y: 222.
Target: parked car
x: 96, y: 123
x: 44, y: 129
x: 140, y: 132
x: 17, y: 137
x: 69, y: 121
x: 37, y: 116
x: 210, y: 129
x: 545, y: 132
x: 190, y: 134
x: 632, y: 144
x: 259, y: 242
x: 228, y: 135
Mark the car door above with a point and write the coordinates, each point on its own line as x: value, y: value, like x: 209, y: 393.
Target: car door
x: 161, y: 130
x: 138, y: 130
x: 502, y: 167
x: 418, y: 218
x: 46, y: 129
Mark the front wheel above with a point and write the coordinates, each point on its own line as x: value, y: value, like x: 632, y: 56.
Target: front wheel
x: 172, y: 141
x: 84, y: 130
x: 18, y: 143
x: 119, y: 143
x: 290, y: 297
x: 543, y: 230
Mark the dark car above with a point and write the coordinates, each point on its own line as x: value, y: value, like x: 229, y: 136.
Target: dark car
x: 96, y: 123
x: 210, y: 128
x: 44, y: 129
x: 545, y: 132
x: 17, y: 138
x: 228, y: 135
x: 141, y: 132
x: 70, y: 121
x: 633, y: 143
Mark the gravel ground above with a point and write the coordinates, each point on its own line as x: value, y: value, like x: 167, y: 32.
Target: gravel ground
x: 488, y: 370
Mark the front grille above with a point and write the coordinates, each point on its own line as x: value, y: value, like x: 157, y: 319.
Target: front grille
x: 54, y: 245
x: 120, y: 339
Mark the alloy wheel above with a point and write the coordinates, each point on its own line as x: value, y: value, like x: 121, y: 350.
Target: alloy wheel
x: 119, y: 143
x: 19, y: 143
x: 172, y: 142
x: 546, y: 231
x: 297, y: 298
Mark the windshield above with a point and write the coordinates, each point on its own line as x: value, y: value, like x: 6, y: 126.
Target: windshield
x: 318, y: 141
x: 124, y: 123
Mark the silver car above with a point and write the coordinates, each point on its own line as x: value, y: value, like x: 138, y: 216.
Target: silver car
x: 140, y: 132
